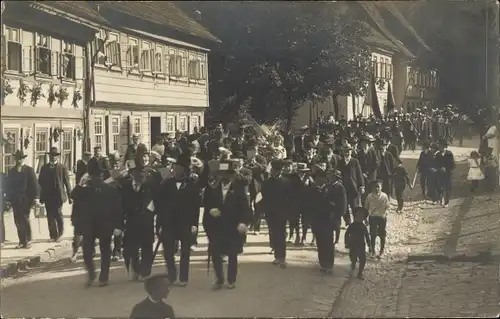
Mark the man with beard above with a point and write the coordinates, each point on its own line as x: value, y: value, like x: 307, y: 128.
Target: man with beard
x: 226, y: 216
x: 22, y: 192
x: 139, y: 208
x: 55, y: 190
x: 101, y: 216
x: 353, y: 180
x: 179, y: 211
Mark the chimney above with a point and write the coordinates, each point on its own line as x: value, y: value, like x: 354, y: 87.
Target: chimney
x: 197, y: 14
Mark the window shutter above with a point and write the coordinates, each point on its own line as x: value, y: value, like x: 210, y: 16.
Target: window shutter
x: 128, y: 56
x: 27, y: 60
x: 56, y: 64
x: 108, y: 135
x: 130, y: 128
x: 4, y: 52
x: 91, y: 133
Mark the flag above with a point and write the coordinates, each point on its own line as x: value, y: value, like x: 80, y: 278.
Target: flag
x: 371, y: 97
x: 391, y: 105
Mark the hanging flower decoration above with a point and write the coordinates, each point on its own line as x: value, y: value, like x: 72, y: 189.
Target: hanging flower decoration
x: 8, y: 139
x: 6, y: 89
x: 77, y: 97
x: 27, y: 139
x: 36, y: 93
x: 79, y: 133
x: 52, y: 95
x: 56, y: 132
x: 22, y: 91
x: 61, y: 95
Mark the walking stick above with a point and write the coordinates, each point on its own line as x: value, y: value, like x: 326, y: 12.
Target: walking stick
x: 414, y: 179
x: 157, y: 247
x: 208, y: 260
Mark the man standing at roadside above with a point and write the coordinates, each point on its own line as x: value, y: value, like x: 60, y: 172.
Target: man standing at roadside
x: 55, y: 191
x: 22, y: 192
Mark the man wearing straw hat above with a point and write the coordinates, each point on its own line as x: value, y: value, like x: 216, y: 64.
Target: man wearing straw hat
x: 55, y: 191
x: 22, y: 192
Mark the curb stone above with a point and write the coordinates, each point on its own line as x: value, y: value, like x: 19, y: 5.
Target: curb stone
x: 12, y: 269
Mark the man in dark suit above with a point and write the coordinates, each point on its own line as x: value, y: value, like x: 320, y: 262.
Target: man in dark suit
x: 22, y: 192
x: 178, y: 213
x: 226, y: 216
x: 154, y: 306
x: 55, y: 191
x: 101, y: 217
x: 81, y: 166
x: 102, y: 161
x: 445, y: 164
x: 353, y: 180
x: 136, y: 150
x: 386, y: 167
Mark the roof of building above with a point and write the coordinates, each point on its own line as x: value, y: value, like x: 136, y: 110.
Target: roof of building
x: 377, y: 21
x: 80, y: 9
x: 164, y: 13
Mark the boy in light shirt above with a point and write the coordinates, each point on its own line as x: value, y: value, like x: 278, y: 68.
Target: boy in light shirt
x: 377, y: 203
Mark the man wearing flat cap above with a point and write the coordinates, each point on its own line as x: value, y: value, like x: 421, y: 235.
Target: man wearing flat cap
x: 277, y: 204
x: 226, y: 215
x: 22, y: 191
x: 179, y: 204
x: 55, y: 191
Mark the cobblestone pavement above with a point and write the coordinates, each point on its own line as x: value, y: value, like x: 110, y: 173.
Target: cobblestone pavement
x: 414, y: 280
x: 40, y: 233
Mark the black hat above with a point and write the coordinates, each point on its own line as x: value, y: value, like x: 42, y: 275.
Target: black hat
x: 277, y: 164
x: 151, y: 282
x: 184, y: 160
x: 93, y: 168
x: 54, y: 151
x: 19, y: 154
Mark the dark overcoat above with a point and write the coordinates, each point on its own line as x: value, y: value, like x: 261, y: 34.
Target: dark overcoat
x: 54, y: 194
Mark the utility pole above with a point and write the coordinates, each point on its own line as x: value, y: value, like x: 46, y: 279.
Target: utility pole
x: 2, y: 69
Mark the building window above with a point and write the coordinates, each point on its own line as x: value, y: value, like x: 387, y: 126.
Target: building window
x: 133, y: 53
x: 195, y: 122
x: 184, y: 63
x: 109, y: 53
x: 41, y: 148
x: 175, y: 63
x: 99, y: 131
x: 10, y: 148
x: 67, y: 149
x: 43, y: 55
x: 14, y: 49
x: 388, y: 70
x: 68, y: 67
x: 383, y: 68
x: 146, y: 56
x: 183, y: 124
x: 137, y: 125
x: 158, y: 60
x: 203, y: 71
x: 375, y: 67
x: 115, y: 132
x: 171, y: 124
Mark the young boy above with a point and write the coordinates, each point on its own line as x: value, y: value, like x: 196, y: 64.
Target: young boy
x: 154, y: 306
x: 377, y: 203
x: 400, y: 180
x: 356, y: 239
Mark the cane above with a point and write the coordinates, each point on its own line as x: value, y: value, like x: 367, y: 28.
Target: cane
x: 208, y: 260
x: 157, y: 247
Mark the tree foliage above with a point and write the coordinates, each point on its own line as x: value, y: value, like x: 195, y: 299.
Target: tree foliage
x: 281, y: 54
x: 456, y: 32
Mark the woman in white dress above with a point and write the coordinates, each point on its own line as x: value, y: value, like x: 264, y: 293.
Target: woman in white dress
x: 475, y: 171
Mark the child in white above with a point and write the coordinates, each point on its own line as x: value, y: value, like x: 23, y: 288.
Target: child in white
x: 377, y: 203
x: 475, y: 173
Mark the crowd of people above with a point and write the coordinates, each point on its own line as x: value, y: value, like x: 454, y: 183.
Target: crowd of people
x: 312, y: 180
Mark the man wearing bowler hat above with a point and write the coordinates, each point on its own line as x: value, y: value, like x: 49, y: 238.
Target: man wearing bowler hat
x: 22, y: 192
x: 55, y: 191
x: 445, y: 164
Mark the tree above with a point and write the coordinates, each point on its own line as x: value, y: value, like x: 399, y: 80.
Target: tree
x: 281, y: 54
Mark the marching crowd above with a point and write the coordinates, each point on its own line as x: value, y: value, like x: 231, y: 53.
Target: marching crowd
x: 340, y: 171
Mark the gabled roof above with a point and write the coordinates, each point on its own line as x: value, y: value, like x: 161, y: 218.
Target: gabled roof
x: 81, y: 9
x: 164, y: 13
x: 376, y: 20
x: 396, y: 21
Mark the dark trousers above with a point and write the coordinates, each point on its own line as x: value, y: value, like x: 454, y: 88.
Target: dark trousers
x: 399, y: 190
x: 386, y: 185
x: 352, y: 202
x: 141, y: 264
x: 55, y: 220
x: 294, y: 227
x: 358, y: 254
x: 232, y: 263
x: 2, y: 228
x: 77, y: 239
x: 336, y: 230
x: 277, y: 235
x: 117, y: 245
x: 325, y: 246
x: 88, y: 255
x: 444, y: 187
x: 169, y: 243
x: 423, y: 183
x: 378, y: 228
x: 306, y: 224
x: 257, y: 217
x: 432, y: 186
x: 21, y: 210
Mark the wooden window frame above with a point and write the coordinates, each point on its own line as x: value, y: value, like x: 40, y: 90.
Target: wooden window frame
x: 51, y: 60
x: 133, y: 53
x: 134, y: 119
x: 102, y: 144
x: 186, y: 126
x: 16, y: 129
x: 158, y: 63
x: 64, y: 152
x: 45, y: 129
x: 174, y: 126
x: 146, y: 56
x: 113, y: 134
x: 6, y: 49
